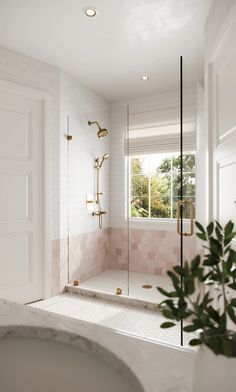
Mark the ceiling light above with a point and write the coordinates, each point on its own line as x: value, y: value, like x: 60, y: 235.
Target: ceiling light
x: 145, y: 77
x: 90, y: 11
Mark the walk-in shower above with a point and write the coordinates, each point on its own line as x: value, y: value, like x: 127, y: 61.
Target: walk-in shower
x: 140, y: 216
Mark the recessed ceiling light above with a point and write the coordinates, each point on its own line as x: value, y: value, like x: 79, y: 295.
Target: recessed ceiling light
x: 90, y: 11
x: 145, y: 77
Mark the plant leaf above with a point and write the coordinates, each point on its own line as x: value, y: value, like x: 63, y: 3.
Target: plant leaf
x: 231, y: 314
x: 233, y: 302
x: 228, y: 228
x: 179, y: 270
x: 222, y: 323
x: 226, y: 347
x: 195, y: 262
x: 164, y: 292
x: 210, y: 228
x: 191, y: 328
x: 229, y: 238
x: 168, y: 314
x: 168, y: 324
x: 202, y: 236
x: 200, y: 227
x: 218, y: 234
x: 195, y: 342
x: 218, y: 225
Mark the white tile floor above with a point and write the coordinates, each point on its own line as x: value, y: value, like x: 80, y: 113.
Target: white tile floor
x: 126, y: 318
x: 131, y: 284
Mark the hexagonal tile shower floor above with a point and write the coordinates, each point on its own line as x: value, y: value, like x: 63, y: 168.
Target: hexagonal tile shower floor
x: 124, y: 318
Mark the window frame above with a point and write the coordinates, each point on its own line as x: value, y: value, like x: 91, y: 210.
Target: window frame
x: 163, y: 220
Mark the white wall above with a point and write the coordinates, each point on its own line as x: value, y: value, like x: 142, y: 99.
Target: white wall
x: 81, y: 105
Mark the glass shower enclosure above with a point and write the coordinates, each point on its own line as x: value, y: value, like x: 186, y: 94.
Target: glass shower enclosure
x: 150, y: 189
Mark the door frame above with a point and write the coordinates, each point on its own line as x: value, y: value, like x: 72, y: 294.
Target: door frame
x: 44, y: 97
x: 221, y: 44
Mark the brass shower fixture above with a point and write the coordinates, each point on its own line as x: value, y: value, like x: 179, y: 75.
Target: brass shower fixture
x: 99, y: 165
x: 102, y: 132
x: 99, y: 212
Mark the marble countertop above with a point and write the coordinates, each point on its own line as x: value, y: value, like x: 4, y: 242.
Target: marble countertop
x: 159, y: 368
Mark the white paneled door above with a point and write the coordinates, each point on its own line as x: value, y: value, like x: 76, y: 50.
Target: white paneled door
x: 222, y: 91
x: 21, y: 196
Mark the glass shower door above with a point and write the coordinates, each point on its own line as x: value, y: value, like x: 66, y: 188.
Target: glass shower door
x: 153, y: 154
x: 193, y: 176
x: 164, y: 154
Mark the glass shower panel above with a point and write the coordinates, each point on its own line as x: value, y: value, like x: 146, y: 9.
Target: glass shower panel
x: 118, y: 232
x: 194, y: 168
x: 153, y: 186
x: 98, y: 255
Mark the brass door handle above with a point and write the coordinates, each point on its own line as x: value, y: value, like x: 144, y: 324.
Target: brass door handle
x: 191, y: 210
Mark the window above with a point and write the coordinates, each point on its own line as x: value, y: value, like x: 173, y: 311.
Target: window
x: 155, y: 184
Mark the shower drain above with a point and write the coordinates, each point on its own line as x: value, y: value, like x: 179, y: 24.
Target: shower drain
x: 146, y: 286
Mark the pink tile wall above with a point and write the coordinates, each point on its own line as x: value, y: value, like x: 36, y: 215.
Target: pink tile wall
x: 150, y: 251
x: 89, y: 254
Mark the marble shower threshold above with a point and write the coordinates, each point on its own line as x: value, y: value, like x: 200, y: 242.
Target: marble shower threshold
x: 104, y: 285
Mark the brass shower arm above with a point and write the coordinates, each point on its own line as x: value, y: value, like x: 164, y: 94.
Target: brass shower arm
x: 94, y: 122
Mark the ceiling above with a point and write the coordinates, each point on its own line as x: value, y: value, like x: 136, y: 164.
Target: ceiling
x: 109, y: 53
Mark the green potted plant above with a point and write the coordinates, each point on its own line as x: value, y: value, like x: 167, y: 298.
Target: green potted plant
x: 203, y: 298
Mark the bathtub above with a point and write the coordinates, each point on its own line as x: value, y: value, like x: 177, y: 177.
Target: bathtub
x: 45, y: 352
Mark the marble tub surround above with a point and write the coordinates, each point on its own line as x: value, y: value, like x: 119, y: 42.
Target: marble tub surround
x: 158, y: 367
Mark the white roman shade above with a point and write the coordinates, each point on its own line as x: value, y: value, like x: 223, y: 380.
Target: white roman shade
x: 160, y: 144
x: 159, y: 131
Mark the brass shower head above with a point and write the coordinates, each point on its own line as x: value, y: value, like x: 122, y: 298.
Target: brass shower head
x: 102, y: 132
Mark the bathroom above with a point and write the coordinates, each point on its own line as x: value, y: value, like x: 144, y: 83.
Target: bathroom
x: 118, y: 135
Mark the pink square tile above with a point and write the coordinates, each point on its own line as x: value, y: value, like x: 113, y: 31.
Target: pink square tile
x: 151, y: 255
x: 158, y: 271
x: 134, y: 246
x: 118, y: 251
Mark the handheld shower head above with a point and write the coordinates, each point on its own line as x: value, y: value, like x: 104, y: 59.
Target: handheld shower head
x: 105, y: 156
x: 102, y: 132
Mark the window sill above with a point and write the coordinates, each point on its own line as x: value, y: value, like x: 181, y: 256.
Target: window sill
x: 155, y: 223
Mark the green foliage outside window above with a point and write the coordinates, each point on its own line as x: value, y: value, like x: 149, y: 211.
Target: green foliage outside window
x: 156, y: 185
